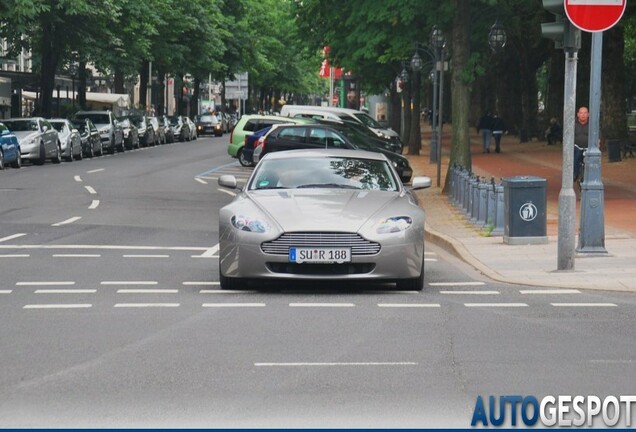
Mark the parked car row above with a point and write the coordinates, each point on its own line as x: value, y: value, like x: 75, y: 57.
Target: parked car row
x: 87, y: 134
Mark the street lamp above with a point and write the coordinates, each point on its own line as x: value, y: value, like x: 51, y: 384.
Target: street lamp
x: 402, y: 79
x: 497, y: 37
x: 437, y: 44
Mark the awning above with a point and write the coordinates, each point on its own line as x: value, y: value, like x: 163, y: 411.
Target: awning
x: 119, y: 100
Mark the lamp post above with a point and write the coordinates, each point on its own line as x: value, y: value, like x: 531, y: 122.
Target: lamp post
x: 402, y: 79
x: 435, y: 49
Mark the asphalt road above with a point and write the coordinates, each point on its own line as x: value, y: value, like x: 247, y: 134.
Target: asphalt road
x: 111, y: 316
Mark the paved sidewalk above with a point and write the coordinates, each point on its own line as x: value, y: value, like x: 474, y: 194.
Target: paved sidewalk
x: 534, y: 264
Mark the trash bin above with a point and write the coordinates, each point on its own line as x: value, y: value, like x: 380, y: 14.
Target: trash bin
x: 525, y: 209
x: 613, y: 150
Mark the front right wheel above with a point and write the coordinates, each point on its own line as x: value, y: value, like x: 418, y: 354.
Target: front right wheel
x: 413, y: 284
x: 242, y: 159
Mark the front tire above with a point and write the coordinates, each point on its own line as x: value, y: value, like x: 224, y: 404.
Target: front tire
x: 414, y: 284
x: 42, y: 157
x: 18, y: 162
x: 1, y: 160
x: 58, y: 154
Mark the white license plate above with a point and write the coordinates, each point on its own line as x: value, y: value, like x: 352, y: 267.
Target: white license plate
x: 319, y: 255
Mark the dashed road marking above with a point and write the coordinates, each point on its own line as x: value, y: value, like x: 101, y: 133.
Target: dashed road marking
x: 78, y: 179
x: 65, y: 291
x: 94, y: 205
x: 227, y: 192
x: 473, y: 283
x: 45, y: 283
x: 494, y: 305
x: 11, y: 237
x: 76, y: 255
x: 146, y: 305
x: 90, y: 190
x: 15, y: 256
x: 430, y: 259
x: 145, y: 256
x: 203, y: 291
x: 584, y: 304
x: 129, y: 283
x: 58, y: 306
x: 200, y: 283
x: 147, y: 291
x: 307, y: 364
x: 232, y: 305
x: 94, y: 171
x: 320, y: 305
x: 6, y: 291
x: 409, y: 305
x: 67, y: 221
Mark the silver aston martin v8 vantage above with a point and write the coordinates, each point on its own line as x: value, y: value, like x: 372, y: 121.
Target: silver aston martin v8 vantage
x: 324, y: 214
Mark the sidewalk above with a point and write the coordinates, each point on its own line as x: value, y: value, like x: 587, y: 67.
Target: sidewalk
x: 446, y: 226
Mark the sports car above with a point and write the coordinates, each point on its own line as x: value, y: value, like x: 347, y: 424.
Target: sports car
x: 322, y: 215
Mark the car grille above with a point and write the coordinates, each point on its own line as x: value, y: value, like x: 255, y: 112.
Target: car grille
x: 321, y: 269
x: 359, y: 245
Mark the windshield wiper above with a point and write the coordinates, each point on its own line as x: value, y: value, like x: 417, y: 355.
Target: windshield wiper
x: 327, y: 185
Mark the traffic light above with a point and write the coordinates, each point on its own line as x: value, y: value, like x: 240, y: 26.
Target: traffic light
x: 561, y: 31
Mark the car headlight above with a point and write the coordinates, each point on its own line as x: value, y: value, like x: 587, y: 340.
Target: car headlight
x: 394, y: 224
x: 246, y: 223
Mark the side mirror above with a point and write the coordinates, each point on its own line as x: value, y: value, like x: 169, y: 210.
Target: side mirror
x: 45, y: 128
x: 421, y: 183
x: 228, y: 181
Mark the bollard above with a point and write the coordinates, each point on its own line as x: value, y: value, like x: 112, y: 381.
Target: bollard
x: 462, y: 188
x: 453, y: 184
x: 499, y: 213
x: 472, y: 181
x: 482, y: 210
x: 492, y: 204
x: 474, y: 211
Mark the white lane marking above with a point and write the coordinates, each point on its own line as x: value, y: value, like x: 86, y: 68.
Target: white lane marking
x: 232, y: 305
x: 200, y: 283
x: 94, y: 171
x: 129, y: 283
x: 321, y: 305
x: 204, y: 257
x: 612, y: 361
x: 67, y: 221
x: 430, y: 259
x: 201, y: 180
x: 227, y: 192
x: 65, y: 291
x: 336, y: 364
x: 147, y: 291
x: 6, y: 291
x: 584, y: 304
x: 495, y: 305
x: 409, y: 305
x: 550, y: 291
x: 90, y: 190
x: 78, y: 179
x: 76, y: 255
x: 111, y: 247
x: 225, y: 292
x: 146, y: 305
x: 456, y: 283
x: 57, y: 306
x: 15, y: 256
x: 11, y: 237
x: 146, y: 256
x: 471, y: 292
x: 209, y: 253
x: 430, y: 253
x: 47, y: 283
x: 94, y: 205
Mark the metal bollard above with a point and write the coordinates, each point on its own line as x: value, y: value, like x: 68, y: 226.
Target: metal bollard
x: 453, y: 183
x: 474, y: 211
x: 467, y: 194
x: 492, y: 204
x: 482, y: 210
x: 499, y: 213
x: 462, y: 188
x: 469, y: 200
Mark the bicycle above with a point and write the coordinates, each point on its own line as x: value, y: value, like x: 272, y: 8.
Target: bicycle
x: 579, y: 179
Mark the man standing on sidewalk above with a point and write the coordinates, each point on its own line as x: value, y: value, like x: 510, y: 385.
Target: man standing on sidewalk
x: 581, y: 132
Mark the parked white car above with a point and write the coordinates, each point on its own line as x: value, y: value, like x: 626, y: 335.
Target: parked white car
x: 71, y: 142
x: 37, y: 137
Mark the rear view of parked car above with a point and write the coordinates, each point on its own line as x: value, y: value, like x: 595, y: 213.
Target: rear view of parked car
x: 131, y: 133
x: 9, y: 148
x: 70, y: 140
x: 180, y: 128
x: 38, y: 139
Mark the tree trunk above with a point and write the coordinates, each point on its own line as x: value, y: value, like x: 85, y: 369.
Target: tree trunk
x: 415, y: 134
x: 143, y: 84
x: 161, y: 100
x: 460, y: 91
x: 194, y: 100
x: 48, y: 67
x: 614, y: 120
x: 81, y: 89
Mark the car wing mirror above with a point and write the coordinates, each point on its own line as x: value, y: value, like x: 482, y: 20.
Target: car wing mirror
x: 228, y: 181
x: 421, y: 183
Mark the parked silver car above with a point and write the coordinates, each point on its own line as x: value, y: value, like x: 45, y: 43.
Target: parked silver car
x: 37, y: 137
x: 323, y: 215
x: 71, y: 142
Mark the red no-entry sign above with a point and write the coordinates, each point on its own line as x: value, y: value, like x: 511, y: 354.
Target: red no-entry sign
x: 594, y: 15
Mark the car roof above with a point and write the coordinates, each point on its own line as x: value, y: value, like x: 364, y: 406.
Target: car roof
x: 354, y: 154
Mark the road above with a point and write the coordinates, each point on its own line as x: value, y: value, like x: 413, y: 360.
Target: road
x: 111, y: 316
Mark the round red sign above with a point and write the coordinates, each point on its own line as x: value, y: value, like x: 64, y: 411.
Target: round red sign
x: 594, y: 15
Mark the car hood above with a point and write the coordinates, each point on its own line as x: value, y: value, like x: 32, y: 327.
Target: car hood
x: 321, y: 209
x: 25, y: 135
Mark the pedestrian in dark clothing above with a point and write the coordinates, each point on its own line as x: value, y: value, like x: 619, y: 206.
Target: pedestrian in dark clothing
x: 581, y: 133
x: 485, y: 128
x: 554, y: 133
x: 498, y: 129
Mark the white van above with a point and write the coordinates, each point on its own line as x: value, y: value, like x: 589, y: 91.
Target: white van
x: 335, y: 113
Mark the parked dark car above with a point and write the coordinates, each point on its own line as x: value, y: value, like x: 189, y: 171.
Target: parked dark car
x: 9, y: 148
x: 291, y: 137
x: 251, y: 141
x: 91, y: 140
x: 209, y: 124
x: 180, y: 128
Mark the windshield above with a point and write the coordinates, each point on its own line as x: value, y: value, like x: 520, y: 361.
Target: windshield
x: 368, y: 120
x: 174, y: 120
x: 80, y: 126
x: 95, y: 117
x: 59, y: 126
x: 323, y: 173
x: 208, y: 119
x: 22, y: 125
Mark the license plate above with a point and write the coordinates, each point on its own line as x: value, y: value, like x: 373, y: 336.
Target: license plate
x: 319, y: 255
